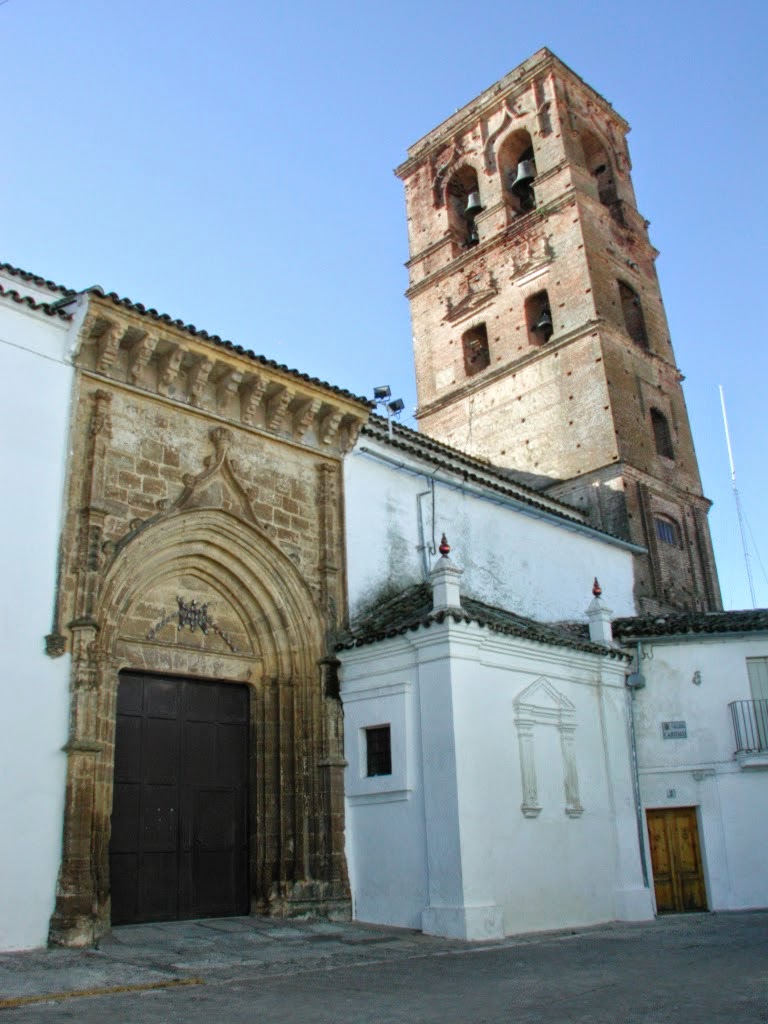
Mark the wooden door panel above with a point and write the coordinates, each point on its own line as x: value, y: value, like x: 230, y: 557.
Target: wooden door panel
x: 661, y: 858
x: 676, y: 859
x: 160, y: 751
x: 180, y: 809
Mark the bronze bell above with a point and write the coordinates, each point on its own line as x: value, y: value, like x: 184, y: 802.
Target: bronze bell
x: 544, y: 325
x: 473, y: 205
x: 526, y: 172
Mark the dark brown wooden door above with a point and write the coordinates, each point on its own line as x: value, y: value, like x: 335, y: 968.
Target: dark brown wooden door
x: 179, y: 845
x: 678, y: 877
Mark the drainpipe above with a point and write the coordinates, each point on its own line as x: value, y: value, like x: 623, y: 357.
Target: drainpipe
x: 427, y: 550
x: 635, y: 681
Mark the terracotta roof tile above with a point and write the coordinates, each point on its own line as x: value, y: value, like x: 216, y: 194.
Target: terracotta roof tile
x: 25, y: 275
x: 687, y: 623
x: 138, y: 307
x: 27, y: 300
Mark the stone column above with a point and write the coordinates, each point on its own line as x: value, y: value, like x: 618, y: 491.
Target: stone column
x: 74, y: 921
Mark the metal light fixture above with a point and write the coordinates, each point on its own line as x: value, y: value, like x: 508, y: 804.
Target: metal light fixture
x: 381, y: 396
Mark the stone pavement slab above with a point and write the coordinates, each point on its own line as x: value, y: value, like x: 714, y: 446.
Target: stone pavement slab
x: 697, y: 969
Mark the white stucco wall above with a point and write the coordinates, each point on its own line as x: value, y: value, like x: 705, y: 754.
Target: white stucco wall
x: 513, y: 558
x: 702, y: 770
x: 385, y: 827
x: 35, y: 388
x: 444, y: 843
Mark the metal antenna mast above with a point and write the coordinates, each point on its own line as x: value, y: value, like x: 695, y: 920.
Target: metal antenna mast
x: 737, y: 499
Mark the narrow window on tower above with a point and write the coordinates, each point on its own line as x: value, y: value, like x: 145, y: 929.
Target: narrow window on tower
x: 474, y: 343
x: 634, y: 321
x: 599, y: 166
x: 462, y: 197
x: 661, y: 434
x: 378, y: 750
x: 667, y: 531
x: 517, y: 165
x: 538, y: 317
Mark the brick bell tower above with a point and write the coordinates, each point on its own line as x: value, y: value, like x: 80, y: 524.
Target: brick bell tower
x: 539, y: 332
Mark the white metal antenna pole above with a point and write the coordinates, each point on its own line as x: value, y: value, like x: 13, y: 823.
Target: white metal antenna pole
x: 737, y: 499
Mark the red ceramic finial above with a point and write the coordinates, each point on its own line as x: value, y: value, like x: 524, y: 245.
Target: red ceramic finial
x: 596, y: 588
x: 445, y: 547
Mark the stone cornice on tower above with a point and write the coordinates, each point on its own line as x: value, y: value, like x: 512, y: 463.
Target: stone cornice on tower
x: 517, y: 81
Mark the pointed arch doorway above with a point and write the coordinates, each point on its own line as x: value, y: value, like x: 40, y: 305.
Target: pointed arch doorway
x: 200, y: 598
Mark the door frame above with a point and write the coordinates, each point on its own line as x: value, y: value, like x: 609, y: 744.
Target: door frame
x: 696, y: 808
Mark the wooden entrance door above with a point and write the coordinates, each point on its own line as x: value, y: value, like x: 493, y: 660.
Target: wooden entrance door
x: 179, y: 846
x: 676, y: 857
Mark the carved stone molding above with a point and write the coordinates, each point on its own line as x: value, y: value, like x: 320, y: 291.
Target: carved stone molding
x: 55, y: 645
x: 441, y: 166
x: 139, y: 356
x: 125, y: 348
x: 474, y: 299
x: 193, y: 616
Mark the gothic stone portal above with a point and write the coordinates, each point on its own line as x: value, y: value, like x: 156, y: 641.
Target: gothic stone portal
x: 201, y: 590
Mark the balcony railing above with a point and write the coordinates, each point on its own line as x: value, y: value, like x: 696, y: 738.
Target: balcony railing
x: 750, y: 726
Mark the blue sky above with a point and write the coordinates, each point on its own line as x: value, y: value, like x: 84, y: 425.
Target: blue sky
x: 231, y: 164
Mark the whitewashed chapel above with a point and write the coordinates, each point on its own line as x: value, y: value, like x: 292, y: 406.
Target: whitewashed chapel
x: 244, y: 671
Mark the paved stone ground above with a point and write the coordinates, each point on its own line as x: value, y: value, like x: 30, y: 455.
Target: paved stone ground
x: 697, y: 969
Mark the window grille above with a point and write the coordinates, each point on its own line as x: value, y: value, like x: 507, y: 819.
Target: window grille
x: 666, y: 531
x: 378, y: 750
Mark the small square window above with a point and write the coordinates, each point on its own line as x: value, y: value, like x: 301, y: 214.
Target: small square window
x: 378, y: 749
x: 666, y: 531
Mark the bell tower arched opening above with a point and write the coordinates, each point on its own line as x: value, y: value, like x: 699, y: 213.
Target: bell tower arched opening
x: 462, y: 194
x: 517, y: 166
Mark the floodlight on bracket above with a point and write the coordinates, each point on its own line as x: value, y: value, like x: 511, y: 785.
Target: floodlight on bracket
x: 382, y: 396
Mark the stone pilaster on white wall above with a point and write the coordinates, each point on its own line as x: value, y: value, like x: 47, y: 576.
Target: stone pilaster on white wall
x: 573, y: 807
x: 530, y: 805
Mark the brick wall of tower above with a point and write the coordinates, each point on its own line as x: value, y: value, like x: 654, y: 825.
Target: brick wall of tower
x: 579, y: 411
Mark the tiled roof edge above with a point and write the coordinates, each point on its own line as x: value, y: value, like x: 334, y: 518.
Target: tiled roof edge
x: 463, y: 615
x: 506, y: 485
x: 27, y: 300
x: 215, y: 339
x: 692, y: 623
x: 377, y: 428
x: 41, y: 282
